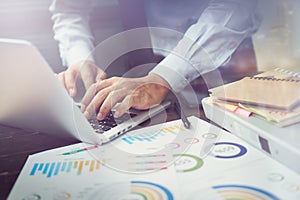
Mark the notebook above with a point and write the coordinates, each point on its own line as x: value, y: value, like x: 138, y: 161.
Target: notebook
x: 264, y: 90
x: 33, y: 98
x: 280, y: 118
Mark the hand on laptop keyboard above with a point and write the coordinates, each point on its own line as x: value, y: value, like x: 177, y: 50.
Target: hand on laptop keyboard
x: 86, y: 70
x: 109, y: 121
x: 139, y: 93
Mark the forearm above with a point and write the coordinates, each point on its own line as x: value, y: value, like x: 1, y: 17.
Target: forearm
x: 72, y: 30
x: 210, y: 42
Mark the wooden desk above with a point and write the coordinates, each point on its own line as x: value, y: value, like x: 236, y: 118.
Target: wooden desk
x: 17, y: 144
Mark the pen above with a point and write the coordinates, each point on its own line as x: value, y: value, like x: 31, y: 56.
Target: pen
x: 184, y: 119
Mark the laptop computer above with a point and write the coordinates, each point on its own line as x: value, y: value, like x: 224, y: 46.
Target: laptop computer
x: 282, y: 144
x: 33, y: 98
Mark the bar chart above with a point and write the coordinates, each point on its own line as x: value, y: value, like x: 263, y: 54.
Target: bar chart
x: 50, y: 169
x: 152, y: 136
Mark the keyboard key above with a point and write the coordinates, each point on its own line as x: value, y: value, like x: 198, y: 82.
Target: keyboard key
x: 109, y: 122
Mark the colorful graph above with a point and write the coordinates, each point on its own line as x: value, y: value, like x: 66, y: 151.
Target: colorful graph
x: 134, y: 190
x: 243, y: 192
x: 228, y: 150
x: 173, y: 145
x: 209, y: 136
x: 79, y: 150
x: 150, y: 162
x: 150, y: 191
x: 191, y: 140
x: 51, y: 169
x: 56, y: 195
x: 188, y: 163
x: 150, y: 137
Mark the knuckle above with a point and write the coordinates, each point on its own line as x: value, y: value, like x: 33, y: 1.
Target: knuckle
x: 97, y: 86
x: 105, y: 109
x: 114, y: 79
x: 69, y: 72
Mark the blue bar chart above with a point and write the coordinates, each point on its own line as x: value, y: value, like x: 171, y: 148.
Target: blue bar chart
x: 50, y: 169
x: 152, y: 136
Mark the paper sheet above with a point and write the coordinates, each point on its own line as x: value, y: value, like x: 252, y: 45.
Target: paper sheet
x: 204, y: 162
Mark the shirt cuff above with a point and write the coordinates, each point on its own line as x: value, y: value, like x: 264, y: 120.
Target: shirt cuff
x: 175, y: 70
x: 80, y: 52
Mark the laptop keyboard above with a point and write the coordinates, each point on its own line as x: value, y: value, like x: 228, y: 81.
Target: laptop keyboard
x: 109, y: 122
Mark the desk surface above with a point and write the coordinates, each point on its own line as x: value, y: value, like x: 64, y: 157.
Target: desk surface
x: 17, y: 144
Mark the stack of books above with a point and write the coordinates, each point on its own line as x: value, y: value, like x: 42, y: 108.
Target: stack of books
x: 272, y: 95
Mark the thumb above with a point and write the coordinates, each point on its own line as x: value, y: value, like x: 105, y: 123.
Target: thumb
x: 101, y: 75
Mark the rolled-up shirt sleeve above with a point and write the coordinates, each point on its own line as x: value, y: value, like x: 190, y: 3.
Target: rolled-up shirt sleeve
x: 72, y: 30
x: 210, y: 42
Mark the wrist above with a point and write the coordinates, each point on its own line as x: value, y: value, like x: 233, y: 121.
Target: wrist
x: 161, y: 86
x: 157, y: 79
x: 79, y: 64
x: 79, y: 52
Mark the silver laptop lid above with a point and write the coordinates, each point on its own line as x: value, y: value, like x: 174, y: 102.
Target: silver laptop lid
x: 33, y: 98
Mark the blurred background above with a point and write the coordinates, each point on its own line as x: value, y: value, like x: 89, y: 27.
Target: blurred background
x: 277, y: 43
x: 31, y: 20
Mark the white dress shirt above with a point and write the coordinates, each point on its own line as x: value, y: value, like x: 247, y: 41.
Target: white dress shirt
x: 211, y: 31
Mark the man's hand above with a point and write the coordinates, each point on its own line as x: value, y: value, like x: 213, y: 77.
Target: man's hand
x: 86, y: 70
x: 139, y: 93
